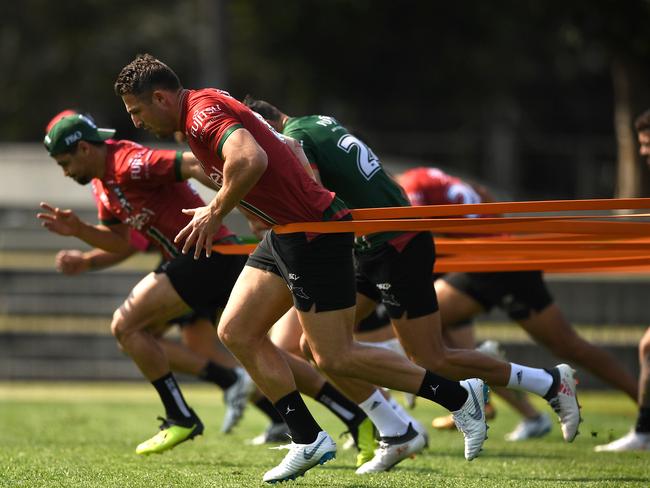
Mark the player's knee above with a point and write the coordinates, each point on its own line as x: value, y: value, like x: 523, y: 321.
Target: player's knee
x: 305, y: 349
x: 330, y: 365
x: 118, y: 325
x: 225, y: 334
x: 333, y: 364
x: 234, y: 337
x: 122, y: 325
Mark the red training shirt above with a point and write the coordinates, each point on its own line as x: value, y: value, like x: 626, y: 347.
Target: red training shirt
x: 142, y: 187
x: 430, y: 186
x: 285, y: 193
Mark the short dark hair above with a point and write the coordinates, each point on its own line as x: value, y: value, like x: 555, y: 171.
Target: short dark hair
x: 265, y: 109
x: 145, y: 74
x: 642, y: 122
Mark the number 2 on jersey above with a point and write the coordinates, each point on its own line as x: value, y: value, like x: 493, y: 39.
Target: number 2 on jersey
x: 367, y: 162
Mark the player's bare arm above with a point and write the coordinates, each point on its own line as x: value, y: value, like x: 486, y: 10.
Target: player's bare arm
x: 191, y: 168
x: 73, y: 261
x: 67, y: 223
x: 244, y: 163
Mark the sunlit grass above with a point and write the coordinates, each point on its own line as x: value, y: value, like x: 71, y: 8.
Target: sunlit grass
x: 84, y: 434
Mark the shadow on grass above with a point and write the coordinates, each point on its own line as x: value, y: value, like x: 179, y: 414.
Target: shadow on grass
x: 495, y: 455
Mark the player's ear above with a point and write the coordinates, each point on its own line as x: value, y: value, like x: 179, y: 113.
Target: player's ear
x: 160, y: 97
x: 83, y: 147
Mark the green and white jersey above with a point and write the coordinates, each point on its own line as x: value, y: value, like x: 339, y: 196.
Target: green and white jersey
x: 347, y: 167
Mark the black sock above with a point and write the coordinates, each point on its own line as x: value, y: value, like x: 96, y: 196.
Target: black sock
x: 172, y: 398
x: 643, y: 421
x: 552, y: 391
x: 265, y: 405
x: 224, y: 377
x: 449, y: 394
x: 302, y: 425
x: 341, y: 406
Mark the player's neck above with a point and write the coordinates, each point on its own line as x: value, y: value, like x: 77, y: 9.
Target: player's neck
x: 181, y: 95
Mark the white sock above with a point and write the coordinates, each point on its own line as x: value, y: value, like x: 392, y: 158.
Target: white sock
x: 380, y: 413
x: 533, y: 380
x: 399, y: 410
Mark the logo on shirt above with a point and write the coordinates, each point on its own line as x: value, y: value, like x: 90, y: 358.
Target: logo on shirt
x: 138, y: 165
x: 199, y: 119
x: 124, y: 203
x: 140, y: 220
x: 216, y: 176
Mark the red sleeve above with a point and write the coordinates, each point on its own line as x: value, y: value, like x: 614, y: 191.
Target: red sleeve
x: 104, y: 215
x: 160, y: 166
x: 213, y: 120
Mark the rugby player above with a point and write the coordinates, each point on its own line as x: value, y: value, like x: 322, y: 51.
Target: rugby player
x: 396, y: 268
x: 255, y: 169
x: 143, y: 188
x: 155, y: 193
x: 638, y: 439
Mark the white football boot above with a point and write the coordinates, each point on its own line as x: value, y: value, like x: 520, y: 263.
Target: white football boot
x: 392, y: 450
x: 565, y: 402
x: 470, y: 419
x: 302, y: 457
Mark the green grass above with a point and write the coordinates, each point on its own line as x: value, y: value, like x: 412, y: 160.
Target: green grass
x: 84, y: 435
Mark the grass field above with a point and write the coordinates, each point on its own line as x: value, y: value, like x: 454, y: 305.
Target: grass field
x: 83, y: 435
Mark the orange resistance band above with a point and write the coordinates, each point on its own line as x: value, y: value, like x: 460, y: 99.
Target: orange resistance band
x: 573, y: 243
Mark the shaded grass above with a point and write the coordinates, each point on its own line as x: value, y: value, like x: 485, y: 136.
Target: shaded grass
x: 83, y: 435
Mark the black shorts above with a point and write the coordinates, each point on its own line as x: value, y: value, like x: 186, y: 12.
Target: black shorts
x: 203, y: 283
x: 402, y: 281
x: 518, y: 293
x: 319, y: 271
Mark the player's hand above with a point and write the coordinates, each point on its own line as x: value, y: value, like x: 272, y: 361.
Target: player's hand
x: 199, y: 231
x: 71, y: 262
x: 62, y: 222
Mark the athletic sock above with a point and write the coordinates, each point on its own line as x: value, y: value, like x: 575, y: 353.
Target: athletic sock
x: 172, y: 399
x: 447, y: 393
x: 337, y: 403
x: 302, y: 426
x: 265, y: 405
x: 643, y: 421
x: 214, y: 373
x: 555, y: 384
x: 399, y: 410
x: 533, y: 380
x: 387, y: 421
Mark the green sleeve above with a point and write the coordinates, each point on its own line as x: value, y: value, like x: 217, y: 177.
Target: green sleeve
x: 225, y: 136
x: 178, y: 160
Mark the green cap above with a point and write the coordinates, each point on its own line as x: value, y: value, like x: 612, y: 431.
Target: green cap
x: 72, y: 129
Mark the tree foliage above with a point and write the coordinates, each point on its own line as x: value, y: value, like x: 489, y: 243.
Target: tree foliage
x: 407, y: 68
